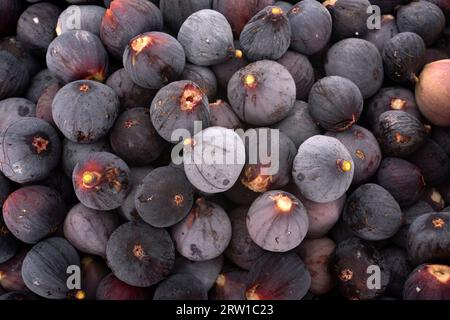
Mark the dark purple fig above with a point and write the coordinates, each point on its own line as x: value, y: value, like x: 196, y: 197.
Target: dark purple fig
x: 5, y: 189
x: 372, y: 213
x: 301, y: 70
x: 335, y: 103
x: 88, y: 230
x: 402, y: 179
x: 13, y: 109
x: 93, y: 271
x: 391, y: 99
x: 316, y: 255
x: 222, y: 115
x: 323, y: 169
x: 45, y: 102
x: 262, y: 93
x: 225, y: 70
x: 357, y: 60
x: 399, y: 133
x: 433, y: 162
x: 311, y: 26
x: 139, y: 254
x: 429, y: 238
x: 242, y: 251
x: 10, y: 273
x: 154, y: 59
x: 29, y: 150
x: 388, y: 6
x: 111, y: 288
x: 204, y: 77
x: 204, y: 234
x: 181, y: 287
x: 365, y: 151
x: 14, y: 75
x: 9, y: 245
x: 444, y: 189
x: 205, y: 271
x: 39, y: 83
x: 278, y: 276
x: 277, y: 221
x: 76, y: 55
x: 44, y: 269
x: 379, y: 37
x: 230, y: 286
x: 213, y: 159
x: 9, y: 14
x: 404, y: 56
x: 428, y: 282
x: 241, y: 195
x: 178, y: 106
x: 58, y: 181
x: 18, y: 49
x: 32, y: 213
x: 350, y: 264
x: 164, y: 197
x: 134, y: 139
x: 397, y: 261
x: 88, y: 18
x: 341, y: 232
x: 175, y: 12
x: 267, y: 35
x: 19, y: 296
x: 101, y: 181
x: 207, y: 38
x: 125, y: 19
x: 433, y: 55
x: 444, y: 5
x: 421, y: 17
x: 350, y: 17
x: 434, y: 199
x: 36, y: 26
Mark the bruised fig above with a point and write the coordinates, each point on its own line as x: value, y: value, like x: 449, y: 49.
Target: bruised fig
x: 428, y: 282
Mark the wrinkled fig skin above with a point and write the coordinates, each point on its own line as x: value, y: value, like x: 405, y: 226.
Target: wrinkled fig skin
x: 111, y: 288
x: 242, y: 251
x: 273, y: 228
x: 44, y: 269
x: 397, y: 261
x: 428, y: 282
x: 349, y: 17
x: 379, y: 37
x: 230, y: 286
x: 278, y: 276
x: 402, y: 179
x: 77, y: 55
x: 181, y: 287
x: 78, y: 103
x: 204, y: 234
x: 444, y: 5
x: 359, y: 61
x: 298, y: 125
x: 390, y: 99
x: 9, y: 13
x: 203, y: 77
x: 365, y: 151
x: 239, y: 12
x: 33, y: 150
x: 32, y: 213
x: 301, y: 70
x: 433, y: 162
x: 125, y: 19
x: 399, y: 133
x: 372, y: 213
x: 88, y: 230
x: 9, y: 245
x: 13, y: 109
x: 335, y: 103
x: 164, y: 197
x: 139, y: 254
x: 39, y: 83
x: 222, y: 115
x: 266, y: 36
x: 404, y: 56
x: 90, y: 19
x: 433, y: 92
x: 309, y: 18
x: 134, y: 139
x: 175, y: 12
x: 14, y: 76
x: 316, y: 170
x: 168, y: 112
x: 267, y: 101
x: 157, y: 63
x: 11, y: 279
x: 429, y: 238
x: 130, y: 94
x: 421, y: 17
x: 36, y: 26
x: 207, y: 38
x: 349, y: 266
x: 316, y: 254
x: 206, y: 271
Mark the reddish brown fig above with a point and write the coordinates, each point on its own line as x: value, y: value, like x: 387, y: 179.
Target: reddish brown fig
x: 428, y: 282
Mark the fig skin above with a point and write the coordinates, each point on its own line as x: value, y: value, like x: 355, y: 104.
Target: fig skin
x: 433, y: 92
x: 230, y: 286
x: 379, y: 37
x: 111, y: 288
x: 428, y: 282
